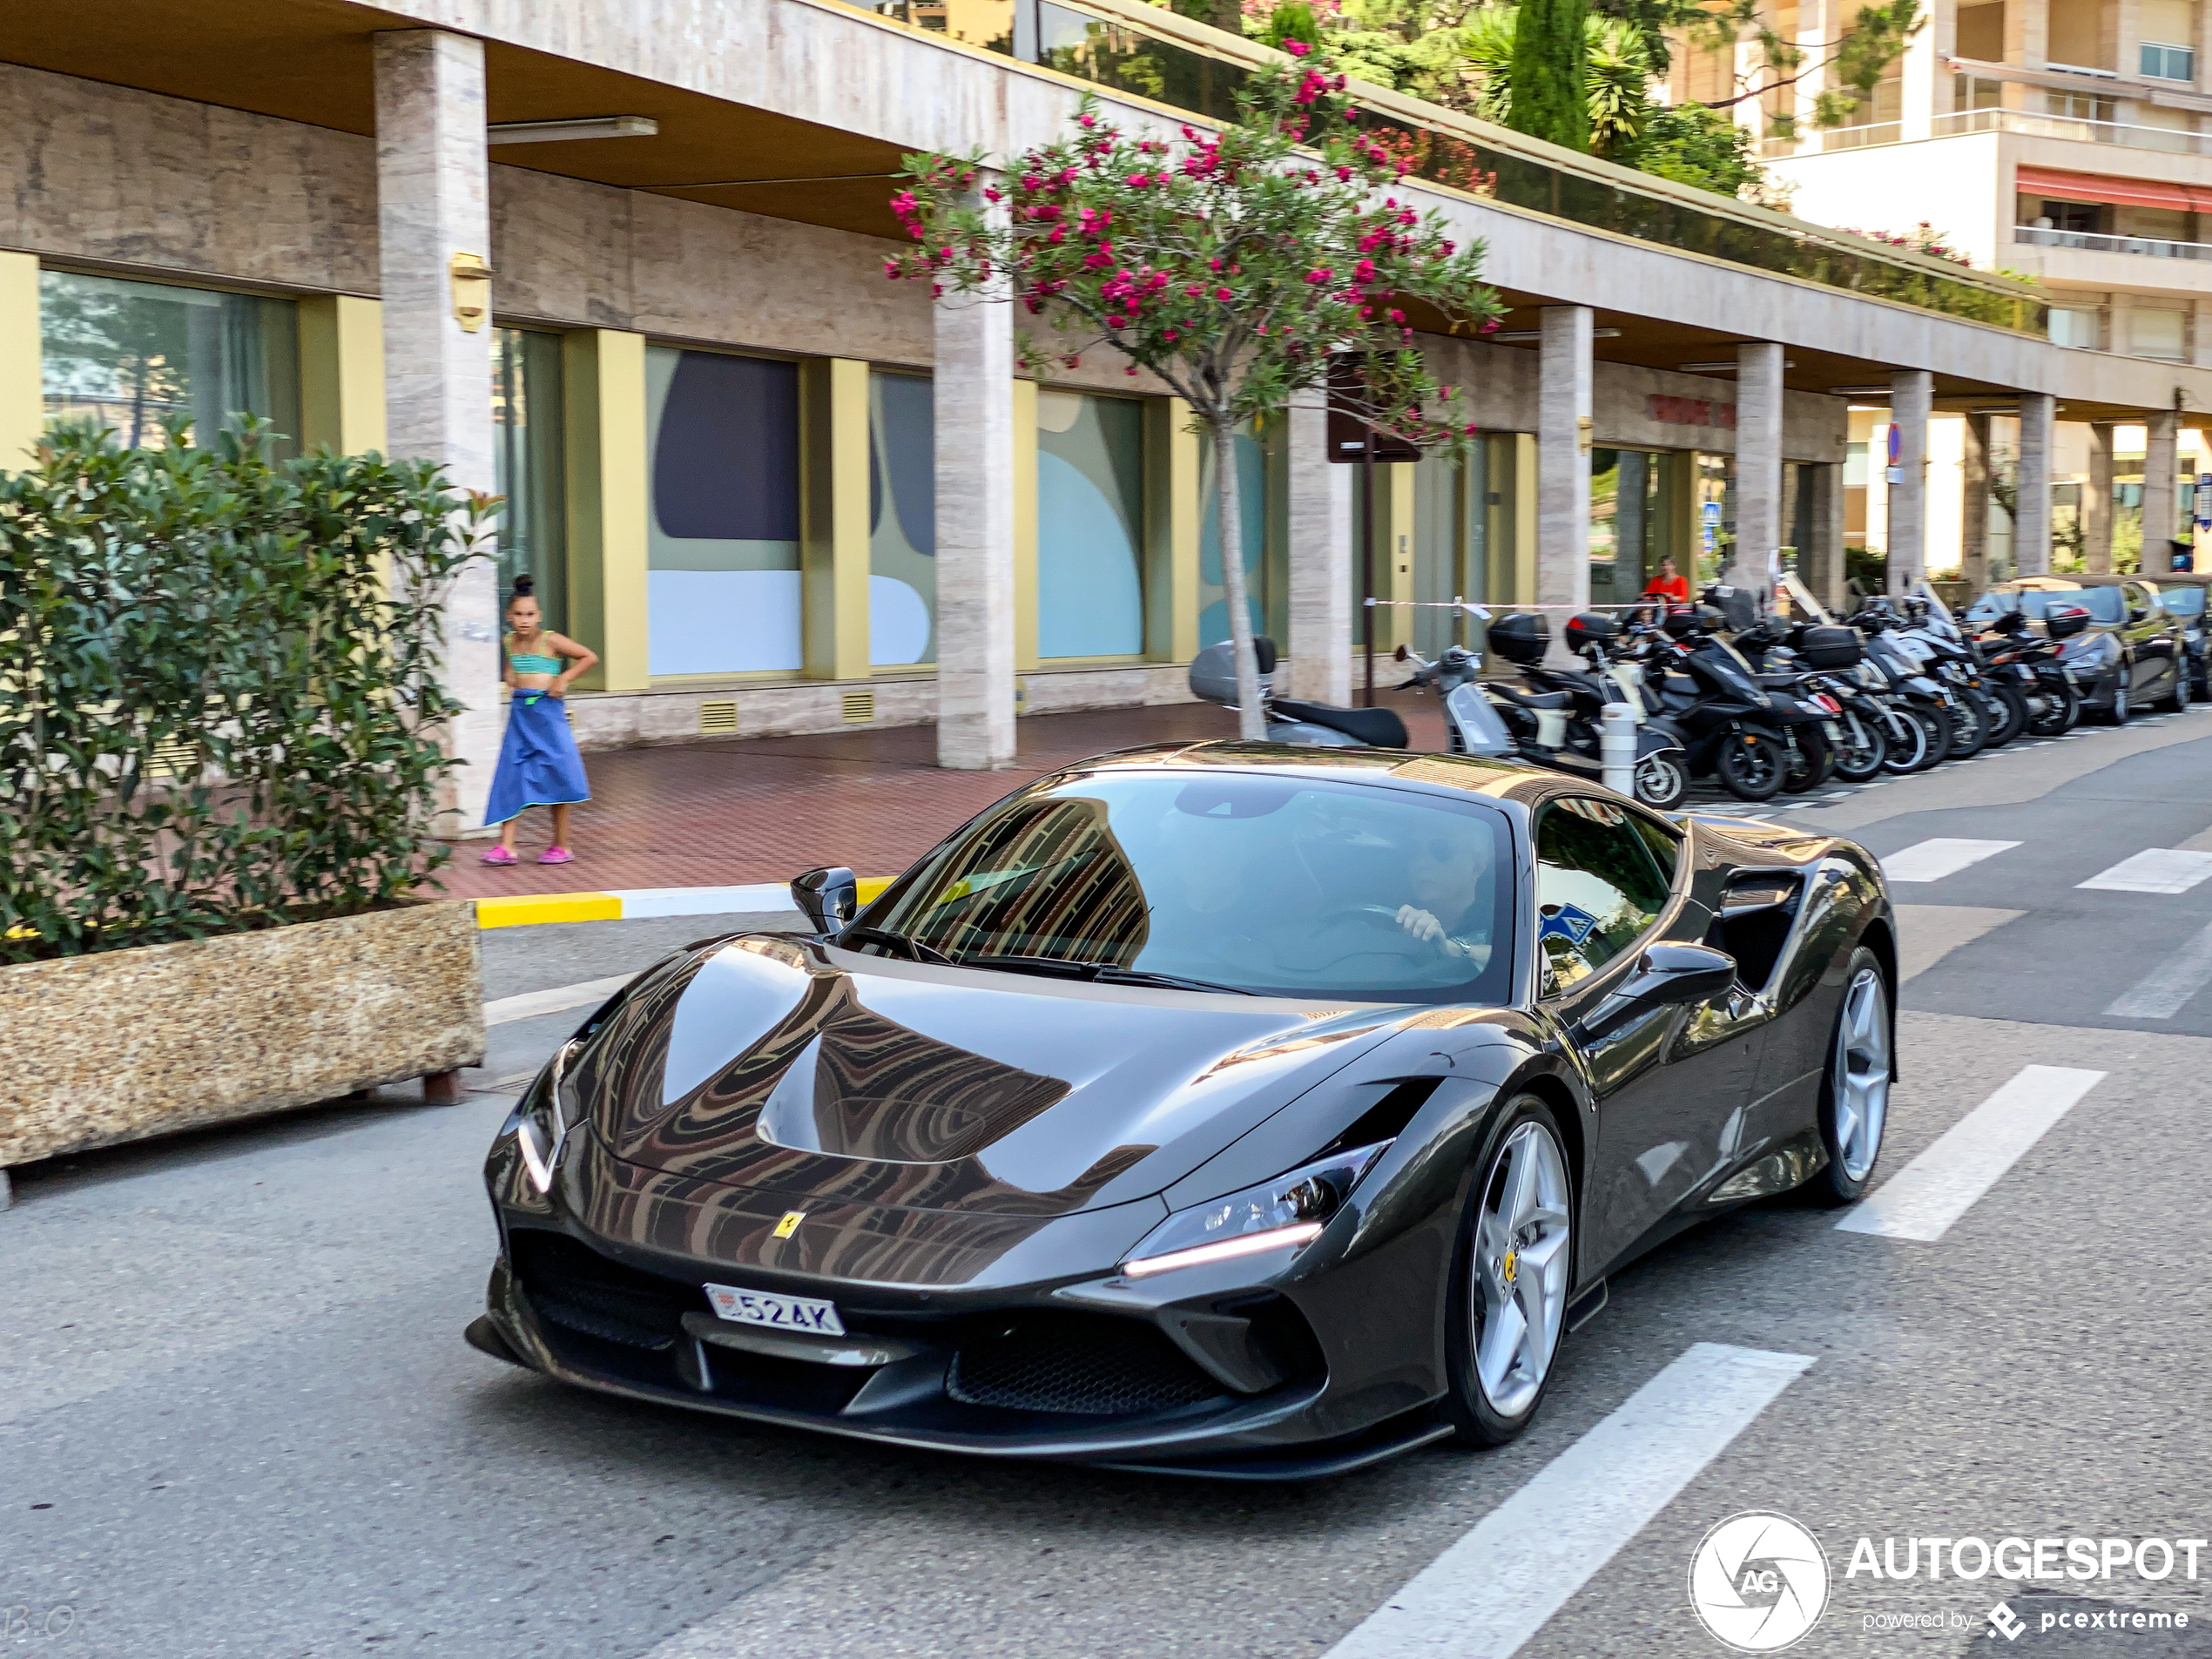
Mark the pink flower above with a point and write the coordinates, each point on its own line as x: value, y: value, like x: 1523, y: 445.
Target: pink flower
x: 1320, y: 276
x: 1139, y: 180
x: 1224, y: 293
x: 1296, y: 48
x: 1171, y: 333
x: 891, y: 269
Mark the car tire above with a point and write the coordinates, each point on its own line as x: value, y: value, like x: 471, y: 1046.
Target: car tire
x: 2122, y: 705
x: 1510, y: 1282
x: 2177, y: 700
x: 2061, y: 711
x: 1855, y: 1084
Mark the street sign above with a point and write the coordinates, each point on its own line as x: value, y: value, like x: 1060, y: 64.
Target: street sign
x: 2204, y: 500
x: 1709, y: 514
x: 1351, y: 439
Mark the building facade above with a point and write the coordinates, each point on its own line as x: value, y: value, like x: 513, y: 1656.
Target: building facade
x: 2056, y: 138
x: 622, y: 264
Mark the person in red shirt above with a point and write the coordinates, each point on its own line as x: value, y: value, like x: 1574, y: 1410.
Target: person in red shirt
x: 1667, y: 585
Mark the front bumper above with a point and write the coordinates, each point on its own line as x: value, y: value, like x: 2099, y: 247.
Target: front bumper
x: 1211, y: 1371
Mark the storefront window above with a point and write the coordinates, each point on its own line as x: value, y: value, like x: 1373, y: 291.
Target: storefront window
x: 903, y: 520
x: 723, y: 588
x: 1624, y: 523
x: 1090, y: 525
x: 527, y: 459
x: 1252, y: 515
x: 1451, y: 552
x: 132, y: 355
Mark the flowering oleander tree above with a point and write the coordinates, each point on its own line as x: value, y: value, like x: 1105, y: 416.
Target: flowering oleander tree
x: 1232, y: 265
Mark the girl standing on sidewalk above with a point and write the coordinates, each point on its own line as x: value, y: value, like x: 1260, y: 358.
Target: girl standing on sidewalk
x: 538, y: 762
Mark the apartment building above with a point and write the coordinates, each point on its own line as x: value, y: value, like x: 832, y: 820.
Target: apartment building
x: 2069, y: 141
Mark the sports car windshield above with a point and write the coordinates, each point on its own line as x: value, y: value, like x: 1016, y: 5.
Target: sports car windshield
x: 1254, y: 883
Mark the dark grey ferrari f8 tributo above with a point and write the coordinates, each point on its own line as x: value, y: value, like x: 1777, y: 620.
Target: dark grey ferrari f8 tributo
x: 1225, y: 1109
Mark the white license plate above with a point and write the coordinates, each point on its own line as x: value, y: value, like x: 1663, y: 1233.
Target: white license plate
x: 777, y: 1313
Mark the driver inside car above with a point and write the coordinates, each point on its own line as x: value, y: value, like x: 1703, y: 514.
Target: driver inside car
x: 1448, y: 873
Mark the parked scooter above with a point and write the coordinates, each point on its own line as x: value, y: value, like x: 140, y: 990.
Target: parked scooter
x: 1819, y: 663
x: 2028, y: 664
x: 1321, y: 725
x: 1732, y: 726
x: 1557, y: 720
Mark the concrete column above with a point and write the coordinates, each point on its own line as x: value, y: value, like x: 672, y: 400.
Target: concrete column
x: 1322, y: 625
x: 23, y: 403
x: 2161, y: 432
x: 1563, y: 394
x: 1973, y: 505
x: 975, y: 490
x: 434, y: 216
x: 603, y: 375
x: 2096, y: 501
x: 2032, y: 503
x: 1911, y: 392
x: 1758, y: 466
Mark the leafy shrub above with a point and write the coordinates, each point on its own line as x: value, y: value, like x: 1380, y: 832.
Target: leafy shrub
x: 218, y: 686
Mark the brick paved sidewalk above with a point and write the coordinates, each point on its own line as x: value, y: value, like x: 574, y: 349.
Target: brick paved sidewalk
x: 711, y: 814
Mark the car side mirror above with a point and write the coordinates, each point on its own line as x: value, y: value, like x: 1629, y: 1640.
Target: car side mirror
x: 1400, y: 654
x: 1673, y: 975
x: 828, y: 899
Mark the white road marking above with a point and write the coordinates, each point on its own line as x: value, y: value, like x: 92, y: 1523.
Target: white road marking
x: 530, y: 1004
x: 2157, y: 869
x: 1945, y: 855
x: 2163, y: 992
x: 1490, y: 1592
x: 1922, y: 1200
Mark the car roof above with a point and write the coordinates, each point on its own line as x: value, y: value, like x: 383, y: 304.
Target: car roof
x: 2188, y: 578
x: 2037, y: 585
x: 1463, y: 775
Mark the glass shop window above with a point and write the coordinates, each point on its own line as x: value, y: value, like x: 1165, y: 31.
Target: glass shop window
x: 723, y: 586
x: 528, y: 461
x: 130, y: 355
x: 902, y: 519
x: 1090, y: 525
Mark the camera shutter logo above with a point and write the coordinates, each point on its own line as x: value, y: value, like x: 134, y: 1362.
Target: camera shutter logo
x: 1759, y: 1582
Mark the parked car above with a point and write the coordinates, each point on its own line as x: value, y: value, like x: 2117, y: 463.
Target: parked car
x: 1237, y: 1109
x: 2131, y: 652
x: 2183, y: 595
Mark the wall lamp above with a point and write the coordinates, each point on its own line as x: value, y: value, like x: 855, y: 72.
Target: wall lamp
x: 1529, y: 336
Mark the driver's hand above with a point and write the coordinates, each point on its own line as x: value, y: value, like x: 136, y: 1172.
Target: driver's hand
x: 1420, y: 924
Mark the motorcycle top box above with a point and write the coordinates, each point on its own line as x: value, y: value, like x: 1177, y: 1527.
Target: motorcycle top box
x: 1830, y: 647
x: 2063, y: 622
x: 1522, y: 637
x: 1587, y: 628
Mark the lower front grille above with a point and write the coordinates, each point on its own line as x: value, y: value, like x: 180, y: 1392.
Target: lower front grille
x: 577, y: 1289
x: 1089, y: 1367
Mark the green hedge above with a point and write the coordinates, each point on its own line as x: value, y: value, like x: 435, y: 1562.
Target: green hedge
x: 218, y: 679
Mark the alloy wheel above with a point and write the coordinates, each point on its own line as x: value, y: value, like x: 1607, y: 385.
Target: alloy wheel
x: 1661, y: 782
x: 1520, y: 1267
x: 1862, y: 1073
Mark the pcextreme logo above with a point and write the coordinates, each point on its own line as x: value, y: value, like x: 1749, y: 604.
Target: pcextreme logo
x: 1759, y: 1582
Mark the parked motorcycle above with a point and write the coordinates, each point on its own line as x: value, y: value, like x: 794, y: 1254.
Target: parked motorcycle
x: 1321, y: 725
x: 1732, y: 727
x: 1557, y: 719
x: 2029, y: 664
x: 1819, y: 663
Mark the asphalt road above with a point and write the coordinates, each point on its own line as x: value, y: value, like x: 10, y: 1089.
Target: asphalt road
x: 236, y: 1416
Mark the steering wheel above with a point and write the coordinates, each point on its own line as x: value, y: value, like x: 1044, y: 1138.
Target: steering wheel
x: 1375, y: 915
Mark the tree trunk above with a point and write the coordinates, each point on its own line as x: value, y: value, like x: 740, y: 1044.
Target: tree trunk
x: 1251, y: 717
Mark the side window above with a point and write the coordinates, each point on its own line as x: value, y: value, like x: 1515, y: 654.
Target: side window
x: 1665, y: 842
x: 1598, y: 888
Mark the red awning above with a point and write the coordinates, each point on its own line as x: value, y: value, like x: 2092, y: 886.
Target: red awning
x: 2121, y: 192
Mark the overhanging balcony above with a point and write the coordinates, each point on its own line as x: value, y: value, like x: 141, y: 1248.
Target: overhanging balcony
x: 2029, y: 124
x: 2090, y: 241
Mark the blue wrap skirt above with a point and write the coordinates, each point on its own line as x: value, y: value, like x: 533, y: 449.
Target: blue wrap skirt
x: 538, y: 762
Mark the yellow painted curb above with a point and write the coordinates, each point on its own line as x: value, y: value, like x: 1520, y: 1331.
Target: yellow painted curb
x: 548, y: 907
x: 872, y: 889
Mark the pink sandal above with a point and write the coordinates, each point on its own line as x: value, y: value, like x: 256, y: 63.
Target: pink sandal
x: 555, y: 855
x: 500, y: 855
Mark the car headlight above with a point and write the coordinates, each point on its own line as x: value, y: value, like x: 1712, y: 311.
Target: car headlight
x: 542, y: 1120
x: 1289, y: 1211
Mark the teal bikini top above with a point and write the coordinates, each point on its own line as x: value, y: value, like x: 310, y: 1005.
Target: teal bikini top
x: 523, y: 662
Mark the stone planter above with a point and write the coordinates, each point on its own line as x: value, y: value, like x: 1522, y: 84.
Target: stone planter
x: 121, y: 1045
